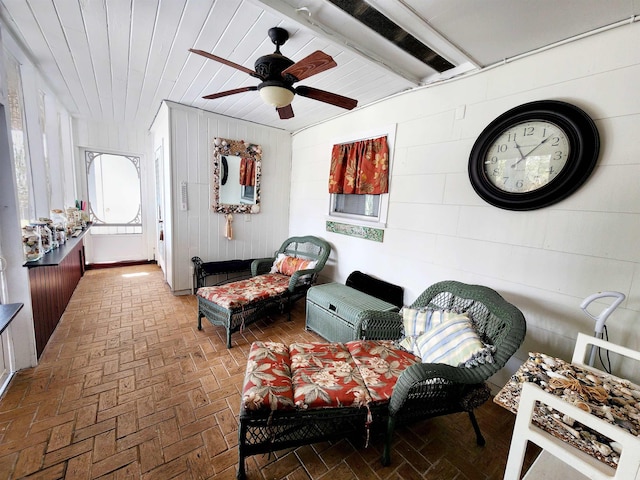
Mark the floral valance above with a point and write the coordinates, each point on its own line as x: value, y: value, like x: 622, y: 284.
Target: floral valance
x: 360, y: 167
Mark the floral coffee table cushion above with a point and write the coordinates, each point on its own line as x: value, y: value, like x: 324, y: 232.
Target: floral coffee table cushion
x: 325, y: 375
x: 380, y: 363
x: 321, y: 375
x: 243, y: 292
x: 267, y: 382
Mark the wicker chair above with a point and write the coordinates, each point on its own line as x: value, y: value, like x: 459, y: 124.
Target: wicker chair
x: 427, y: 390
x: 308, y: 247
x: 237, y: 317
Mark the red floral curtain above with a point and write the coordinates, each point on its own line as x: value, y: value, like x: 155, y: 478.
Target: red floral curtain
x: 360, y: 167
x: 247, y: 172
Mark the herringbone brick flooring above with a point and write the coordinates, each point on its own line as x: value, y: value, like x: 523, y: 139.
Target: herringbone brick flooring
x: 129, y: 388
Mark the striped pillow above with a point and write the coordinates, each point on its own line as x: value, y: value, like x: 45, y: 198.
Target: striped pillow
x: 415, y: 322
x: 453, y: 342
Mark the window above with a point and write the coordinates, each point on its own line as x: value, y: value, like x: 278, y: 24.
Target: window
x: 19, y: 141
x: 365, y: 205
x: 365, y: 208
x: 113, y: 186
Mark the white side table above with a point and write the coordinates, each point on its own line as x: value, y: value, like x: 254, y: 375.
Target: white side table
x: 560, y: 460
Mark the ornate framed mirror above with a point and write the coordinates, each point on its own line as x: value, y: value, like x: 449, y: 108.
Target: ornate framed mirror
x: 235, y: 176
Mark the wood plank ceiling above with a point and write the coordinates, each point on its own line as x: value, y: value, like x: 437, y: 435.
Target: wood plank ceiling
x: 116, y: 60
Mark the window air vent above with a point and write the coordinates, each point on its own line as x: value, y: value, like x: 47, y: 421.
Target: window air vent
x: 372, y: 18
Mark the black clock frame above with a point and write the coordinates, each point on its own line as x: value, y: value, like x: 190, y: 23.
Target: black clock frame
x: 584, y: 148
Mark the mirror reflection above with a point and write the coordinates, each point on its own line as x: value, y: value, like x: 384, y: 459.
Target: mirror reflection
x: 236, y: 175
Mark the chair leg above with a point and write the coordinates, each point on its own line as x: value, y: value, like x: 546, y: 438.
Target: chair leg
x: 241, y: 475
x: 386, y: 454
x: 479, y: 438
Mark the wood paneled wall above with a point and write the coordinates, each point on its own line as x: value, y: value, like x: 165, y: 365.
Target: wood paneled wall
x: 51, y: 290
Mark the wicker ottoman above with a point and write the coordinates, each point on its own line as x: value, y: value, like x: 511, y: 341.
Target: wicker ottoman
x: 336, y: 311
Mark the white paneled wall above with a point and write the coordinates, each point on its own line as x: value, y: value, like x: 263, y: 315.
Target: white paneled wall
x: 199, y: 231
x: 545, y: 261
x: 121, y: 139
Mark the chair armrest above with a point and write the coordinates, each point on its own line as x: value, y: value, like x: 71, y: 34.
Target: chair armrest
x: 198, y: 274
x: 427, y: 380
x: 376, y: 325
x: 297, y: 275
x: 261, y: 266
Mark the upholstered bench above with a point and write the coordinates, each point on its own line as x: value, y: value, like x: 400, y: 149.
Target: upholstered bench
x: 310, y: 392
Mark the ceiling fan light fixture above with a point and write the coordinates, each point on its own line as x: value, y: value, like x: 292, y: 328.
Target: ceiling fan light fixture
x: 276, y: 96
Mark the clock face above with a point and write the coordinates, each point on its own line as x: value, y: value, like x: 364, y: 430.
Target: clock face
x: 534, y: 155
x: 526, y: 156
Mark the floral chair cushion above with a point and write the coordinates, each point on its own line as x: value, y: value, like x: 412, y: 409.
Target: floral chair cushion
x: 325, y: 375
x: 244, y: 292
x: 267, y: 382
x: 380, y: 363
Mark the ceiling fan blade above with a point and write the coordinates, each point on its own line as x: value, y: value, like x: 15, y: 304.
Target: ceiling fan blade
x: 224, y: 61
x: 285, y: 112
x: 230, y: 92
x: 327, y: 97
x: 310, y: 65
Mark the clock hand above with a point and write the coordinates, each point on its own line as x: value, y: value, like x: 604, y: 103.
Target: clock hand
x: 543, y: 141
x: 530, y: 151
x: 522, y: 157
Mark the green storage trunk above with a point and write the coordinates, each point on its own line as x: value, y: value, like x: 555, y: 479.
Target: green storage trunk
x: 336, y: 311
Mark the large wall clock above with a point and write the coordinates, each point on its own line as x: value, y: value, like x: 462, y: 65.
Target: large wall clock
x: 534, y: 155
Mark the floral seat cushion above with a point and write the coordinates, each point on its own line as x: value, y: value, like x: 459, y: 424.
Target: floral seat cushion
x: 267, y: 382
x: 322, y: 375
x: 325, y: 375
x: 380, y: 363
x: 243, y: 292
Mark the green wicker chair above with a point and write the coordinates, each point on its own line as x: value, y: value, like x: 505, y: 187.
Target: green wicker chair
x: 236, y: 318
x: 427, y: 390
x: 308, y: 247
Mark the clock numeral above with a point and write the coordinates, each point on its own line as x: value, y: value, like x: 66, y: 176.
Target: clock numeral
x: 528, y: 131
x: 511, y: 137
x: 520, y: 183
x: 557, y: 155
x: 555, y: 142
x: 503, y: 147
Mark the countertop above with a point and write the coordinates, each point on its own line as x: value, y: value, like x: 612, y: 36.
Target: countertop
x: 56, y: 256
x: 7, y: 312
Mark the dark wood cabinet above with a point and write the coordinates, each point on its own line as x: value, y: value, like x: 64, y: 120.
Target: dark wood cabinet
x: 52, y: 280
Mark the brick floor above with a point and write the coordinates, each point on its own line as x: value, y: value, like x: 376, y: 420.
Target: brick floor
x: 129, y: 388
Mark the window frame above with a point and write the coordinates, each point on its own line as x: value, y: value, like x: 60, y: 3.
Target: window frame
x: 380, y: 220
x: 130, y: 228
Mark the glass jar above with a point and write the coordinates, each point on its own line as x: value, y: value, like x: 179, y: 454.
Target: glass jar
x: 32, y: 243
x: 46, y: 236
x: 60, y: 232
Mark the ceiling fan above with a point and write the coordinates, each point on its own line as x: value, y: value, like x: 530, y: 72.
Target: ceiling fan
x: 278, y: 73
